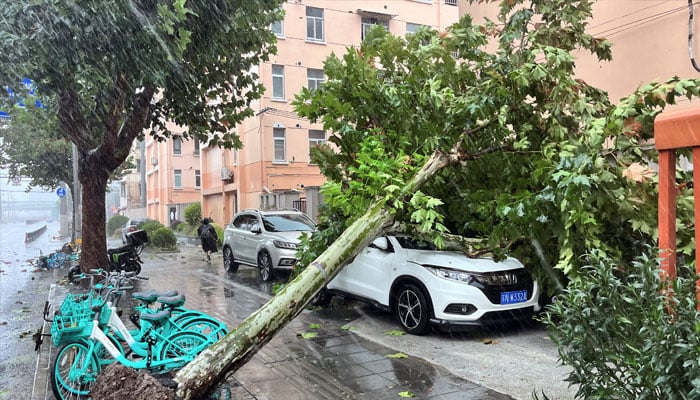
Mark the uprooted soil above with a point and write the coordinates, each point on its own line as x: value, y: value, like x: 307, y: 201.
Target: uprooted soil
x: 118, y: 382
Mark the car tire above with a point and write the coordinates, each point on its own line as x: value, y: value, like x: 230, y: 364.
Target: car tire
x: 230, y: 265
x: 265, y: 266
x: 412, y: 309
x: 322, y: 298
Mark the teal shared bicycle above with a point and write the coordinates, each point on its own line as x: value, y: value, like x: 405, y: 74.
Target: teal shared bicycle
x: 92, y: 336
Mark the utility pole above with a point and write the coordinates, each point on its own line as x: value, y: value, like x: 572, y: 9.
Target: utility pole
x: 77, y: 220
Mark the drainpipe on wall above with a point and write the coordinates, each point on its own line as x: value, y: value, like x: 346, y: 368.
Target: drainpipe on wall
x: 142, y: 198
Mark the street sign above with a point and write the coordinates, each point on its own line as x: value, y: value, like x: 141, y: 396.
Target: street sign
x: 61, y: 192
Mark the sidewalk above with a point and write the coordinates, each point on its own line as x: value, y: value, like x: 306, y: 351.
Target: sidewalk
x: 336, y: 364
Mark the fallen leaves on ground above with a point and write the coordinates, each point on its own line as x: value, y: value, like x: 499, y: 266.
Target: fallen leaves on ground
x: 307, y: 335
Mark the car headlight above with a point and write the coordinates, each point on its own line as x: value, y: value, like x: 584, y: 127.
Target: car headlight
x: 451, y: 274
x: 284, y: 245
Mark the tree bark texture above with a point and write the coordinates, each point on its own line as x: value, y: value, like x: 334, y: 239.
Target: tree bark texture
x: 93, y: 231
x: 200, y: 377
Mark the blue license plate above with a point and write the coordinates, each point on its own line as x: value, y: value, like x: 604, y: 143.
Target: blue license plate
x: 517, y: 296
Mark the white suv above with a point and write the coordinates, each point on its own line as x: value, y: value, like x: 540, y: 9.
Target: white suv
x: 267, y: 240
x: 424, y: 286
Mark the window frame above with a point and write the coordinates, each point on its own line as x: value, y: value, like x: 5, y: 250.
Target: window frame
x: 312, y: 23
x: 177, y: 146
x: 279, y: 34
x: 366, y: 24
x: 197, y: 178
x: 317, y: 82
x: 276, y: 139
x: 277, y: 81
x: 177, y: 179
x: 313, y: 142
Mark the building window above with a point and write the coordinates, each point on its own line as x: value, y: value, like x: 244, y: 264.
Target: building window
x: 280, y: 145
x: 412, y: 28
x: 451, y: 2
x: 235, y: 157
x: 316, y: 137
x: 278, y: 82
x: 177, y: 146
x: 197, y: 178
x: 196, y: 146
x: 315, y: 78
x: 178, y: 179
x: 314, y: 24
x: 369, y: 22
x: 277, y: 28
x: 122, y: 189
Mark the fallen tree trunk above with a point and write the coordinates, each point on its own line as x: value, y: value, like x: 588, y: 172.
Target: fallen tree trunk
x: 200, y: 377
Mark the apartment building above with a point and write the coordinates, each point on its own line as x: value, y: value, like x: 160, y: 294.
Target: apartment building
x: 173, y: 176
x: 650, y: 39
x: 273, y: 169
x: 650, y: 43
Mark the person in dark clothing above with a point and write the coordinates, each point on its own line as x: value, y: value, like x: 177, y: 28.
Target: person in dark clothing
x: 207, y: 234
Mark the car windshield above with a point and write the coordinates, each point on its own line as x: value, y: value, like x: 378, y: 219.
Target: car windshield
x: 287, y: 223
x: 415, y: 244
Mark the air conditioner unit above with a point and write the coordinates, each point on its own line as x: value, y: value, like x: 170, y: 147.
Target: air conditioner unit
x: 226, y: 174
x: 154, y: 160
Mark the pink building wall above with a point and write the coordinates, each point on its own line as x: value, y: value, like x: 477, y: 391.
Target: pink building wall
x: 255, y: 171
x: 166, y: 199
x: 650, y: 43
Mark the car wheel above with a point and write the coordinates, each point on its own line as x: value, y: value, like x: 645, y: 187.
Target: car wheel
x: 322, y: 298
x: 265, y: 266
x: 412, y: 309
x: 229, y: 264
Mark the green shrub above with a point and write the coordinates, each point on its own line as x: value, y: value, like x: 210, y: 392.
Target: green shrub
x: 164, y: 238
x: 219, y: 234
x: 151, y: 226
x: 115, y: 223
x: 193, y: 214
x: 614, y: 327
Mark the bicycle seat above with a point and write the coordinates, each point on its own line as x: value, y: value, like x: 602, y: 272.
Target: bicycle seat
x: 172, y: 301
x: 150, y: 296
x: 157, y: 317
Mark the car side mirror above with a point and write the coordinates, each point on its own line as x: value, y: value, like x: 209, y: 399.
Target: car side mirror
x: 256, y: 229
x: 381, y: 243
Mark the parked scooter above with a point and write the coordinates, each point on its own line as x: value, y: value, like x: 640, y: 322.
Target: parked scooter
x: 125, y: 258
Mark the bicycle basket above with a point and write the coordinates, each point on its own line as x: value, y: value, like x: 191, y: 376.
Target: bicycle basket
x: 71, y: 326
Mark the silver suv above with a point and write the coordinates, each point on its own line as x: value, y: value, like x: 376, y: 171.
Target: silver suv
x: 264, y: 239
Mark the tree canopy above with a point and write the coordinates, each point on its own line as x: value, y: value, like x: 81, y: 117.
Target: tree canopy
x: 549, y: 154
x: 109, y: 72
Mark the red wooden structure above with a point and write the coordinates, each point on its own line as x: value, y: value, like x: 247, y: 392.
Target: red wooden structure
x: 672, y: 131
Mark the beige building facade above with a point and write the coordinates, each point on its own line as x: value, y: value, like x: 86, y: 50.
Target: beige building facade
x: 273, y: 169
x: 173, y: 177
x: 650, y: 43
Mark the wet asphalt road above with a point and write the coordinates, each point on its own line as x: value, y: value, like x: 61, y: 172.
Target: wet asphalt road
x: 515, y: 362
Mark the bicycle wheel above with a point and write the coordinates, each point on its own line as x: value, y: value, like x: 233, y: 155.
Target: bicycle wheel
x: 73, y: 372
x: 207, y: 326
x: 183, y: 345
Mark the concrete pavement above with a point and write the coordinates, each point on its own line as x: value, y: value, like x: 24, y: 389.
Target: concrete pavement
x: 348, y: 357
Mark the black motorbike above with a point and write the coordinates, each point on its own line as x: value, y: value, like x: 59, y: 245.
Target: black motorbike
x: 125, y: 258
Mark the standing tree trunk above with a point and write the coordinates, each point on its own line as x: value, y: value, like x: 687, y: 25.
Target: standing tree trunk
x: 200, y: 377
x: 93, y: 179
